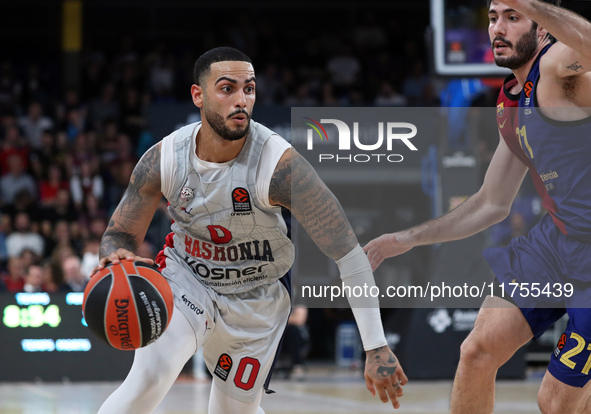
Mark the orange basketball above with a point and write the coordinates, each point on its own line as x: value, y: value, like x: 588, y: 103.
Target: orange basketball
x: 128, y: 305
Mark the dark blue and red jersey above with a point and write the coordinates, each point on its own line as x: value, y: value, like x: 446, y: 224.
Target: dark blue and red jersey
x: 557, y: 154
x: 557, y: 251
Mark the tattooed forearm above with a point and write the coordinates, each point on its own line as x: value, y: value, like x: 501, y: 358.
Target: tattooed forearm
x: 384, y: 362
x: 113, y: 240
x: 575, y: 66
x: 296, y: 186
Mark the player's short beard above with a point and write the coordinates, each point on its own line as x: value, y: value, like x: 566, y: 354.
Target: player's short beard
x: 525, y: 49
x: 218, y: 124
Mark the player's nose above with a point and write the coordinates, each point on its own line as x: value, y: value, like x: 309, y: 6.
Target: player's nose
x: 240, y: 99
x: 499, y: 27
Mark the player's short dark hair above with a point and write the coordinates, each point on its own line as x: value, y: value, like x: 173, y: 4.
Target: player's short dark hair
x: 554, y: 2
x: 219, y: 54
x: 535, y: 25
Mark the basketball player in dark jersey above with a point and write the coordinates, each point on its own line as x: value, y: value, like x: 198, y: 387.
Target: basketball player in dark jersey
x: 544, y: 121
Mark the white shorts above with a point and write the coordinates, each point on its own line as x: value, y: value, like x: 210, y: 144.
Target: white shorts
x: 239, y: 333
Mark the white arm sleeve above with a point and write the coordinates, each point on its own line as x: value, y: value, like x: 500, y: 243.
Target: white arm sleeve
x: 356, y: 271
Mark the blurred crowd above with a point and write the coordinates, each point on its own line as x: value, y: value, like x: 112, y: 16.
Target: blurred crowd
x: 67, y: 153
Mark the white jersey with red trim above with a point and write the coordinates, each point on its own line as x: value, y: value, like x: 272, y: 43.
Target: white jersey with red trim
x: 225, y: 230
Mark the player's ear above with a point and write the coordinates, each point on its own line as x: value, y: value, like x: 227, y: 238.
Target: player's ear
x: 197, y: 95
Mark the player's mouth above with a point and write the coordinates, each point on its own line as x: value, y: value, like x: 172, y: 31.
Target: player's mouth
x: 240, y: 118
x: 500, y: 46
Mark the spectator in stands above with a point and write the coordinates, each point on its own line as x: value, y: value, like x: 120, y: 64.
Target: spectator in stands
x: 61, y: 208
x: 70, y: 101
x: 49, y: 284
x: 107, y: 141
x: 328, y: 96
x: 23, y: 238
x: 33, y: 279
x: 16, y: 180
x: 10, y: 88
x: 90, y: 255
x: 13, y: 278
x: 74, y: 280
x: 33, y: 125
x: 104, y: 107
x: 132, y: 120
x: 98, y: 225
x: 43, y: 157
x: 417, y: 86
x: 86, y: 182
x: 29, y: 258
x: 344, y: 68
x: 162, y: 78
x: 34, y: 87
x: 23, y: 203
x: 51, y: 185
x: 3, y: 250
x: 387, y: 96
x: 75, y: 124
x: 13, y: 144
x: 63, y: 236
x: 90, y: 210
x: 59, y: 254
x: 302, y: 97
x: 84, y: 151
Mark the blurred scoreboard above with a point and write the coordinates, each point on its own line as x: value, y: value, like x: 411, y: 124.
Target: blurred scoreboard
x: 43, y: 337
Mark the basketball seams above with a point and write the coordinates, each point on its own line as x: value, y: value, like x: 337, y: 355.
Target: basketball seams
x: 105, y: 322
x: 129, y: 272
x: 93, y: 282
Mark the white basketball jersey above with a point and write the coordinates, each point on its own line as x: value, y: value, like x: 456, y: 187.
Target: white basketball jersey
x: 224, y: 230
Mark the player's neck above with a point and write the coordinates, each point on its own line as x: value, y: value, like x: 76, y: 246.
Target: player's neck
x: 522, y: 72
x: 213, y: 148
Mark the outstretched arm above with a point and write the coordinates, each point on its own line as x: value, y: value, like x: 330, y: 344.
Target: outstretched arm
x: 488, y: 206
x: 131, y: 219
x: 572, y: 56
x: 296, y: 186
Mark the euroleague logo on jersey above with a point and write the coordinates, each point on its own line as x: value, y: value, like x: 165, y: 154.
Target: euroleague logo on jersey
x: 527, y: 88
x: 241, y: 202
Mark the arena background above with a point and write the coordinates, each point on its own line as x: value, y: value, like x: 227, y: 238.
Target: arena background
x: 113, y: 77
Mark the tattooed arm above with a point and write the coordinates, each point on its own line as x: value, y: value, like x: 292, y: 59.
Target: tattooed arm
x: 129, y: 223
x: 296, y: 186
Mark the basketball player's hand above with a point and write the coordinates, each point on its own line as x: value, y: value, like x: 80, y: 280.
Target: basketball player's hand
x: 384, y: 375
x: 116, y: 257
x: 380, y: 248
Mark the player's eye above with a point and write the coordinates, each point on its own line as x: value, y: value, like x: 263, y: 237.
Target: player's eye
x: 249, y: 89
x: 493, y: 19
x: 227, y: 88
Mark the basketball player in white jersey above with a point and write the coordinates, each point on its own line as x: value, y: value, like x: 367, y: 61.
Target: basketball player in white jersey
x: 227, y: 179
